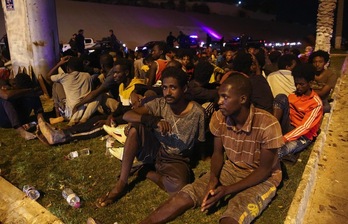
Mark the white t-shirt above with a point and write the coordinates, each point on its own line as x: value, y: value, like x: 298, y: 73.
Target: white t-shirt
x: 76, y: 86
x: 281, y: 81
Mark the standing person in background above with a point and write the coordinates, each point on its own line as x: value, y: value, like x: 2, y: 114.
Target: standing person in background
x: 170, y: 40
x: 72, y: 43
x: 80, y: 43
x: 115, y: 46
x: 181, y: 40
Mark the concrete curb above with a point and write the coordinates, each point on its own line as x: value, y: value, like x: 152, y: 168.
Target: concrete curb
x: 297, y: 208
x: 16, y: 207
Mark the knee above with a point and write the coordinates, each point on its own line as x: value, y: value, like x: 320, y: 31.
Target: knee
x: 173, y: 185
x: 281, y: 101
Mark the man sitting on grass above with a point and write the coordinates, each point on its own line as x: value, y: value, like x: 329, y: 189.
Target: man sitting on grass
x: 162, y: 133
x: 250, y: 138
x: 17, y: 101
x: 300, y: 113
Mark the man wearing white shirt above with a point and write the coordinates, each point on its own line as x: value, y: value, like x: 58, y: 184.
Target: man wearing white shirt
x: 281, y: 81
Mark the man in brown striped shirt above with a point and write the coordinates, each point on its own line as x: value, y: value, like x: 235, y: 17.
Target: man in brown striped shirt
x: 250, y: 137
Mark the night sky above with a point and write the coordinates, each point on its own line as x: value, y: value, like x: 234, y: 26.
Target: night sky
x: 293, y: 11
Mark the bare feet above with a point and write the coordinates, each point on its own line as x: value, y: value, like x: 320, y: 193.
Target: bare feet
x: 25, y: 134
x: 52, y: 136
x: 117, y: 192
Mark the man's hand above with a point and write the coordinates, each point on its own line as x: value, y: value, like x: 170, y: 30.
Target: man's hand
x: 212, y: 197
x: 213, y: 182
x: 164, y: 127
x: 64, y: 60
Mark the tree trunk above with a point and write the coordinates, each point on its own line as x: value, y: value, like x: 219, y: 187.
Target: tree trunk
x: 325, y: 23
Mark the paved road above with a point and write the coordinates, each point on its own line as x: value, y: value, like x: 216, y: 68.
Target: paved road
x: 328, y: 202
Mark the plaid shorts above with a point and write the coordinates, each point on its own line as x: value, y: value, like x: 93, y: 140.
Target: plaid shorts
x: 244, y: 206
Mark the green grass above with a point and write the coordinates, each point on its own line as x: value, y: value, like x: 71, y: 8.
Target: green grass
x: 30, y: 162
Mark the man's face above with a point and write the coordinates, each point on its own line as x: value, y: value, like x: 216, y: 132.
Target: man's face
x: 319, y: 63
x: 119, y: 74
x: 229, y: 100
x: 156, y: 52
x: 172, y: 91
x: 302, y: 87
x: 229, y: 56
x: 185, y: 60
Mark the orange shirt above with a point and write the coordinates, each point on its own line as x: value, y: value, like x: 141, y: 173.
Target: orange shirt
x: 161, y: 64
x: 306, y: 113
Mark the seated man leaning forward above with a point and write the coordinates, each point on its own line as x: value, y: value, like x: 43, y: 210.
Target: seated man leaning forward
x: 300, y: 113
x: 163, y: 133
x: 250, y: 138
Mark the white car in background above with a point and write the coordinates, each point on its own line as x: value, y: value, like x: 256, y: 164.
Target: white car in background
x: 89, y: 43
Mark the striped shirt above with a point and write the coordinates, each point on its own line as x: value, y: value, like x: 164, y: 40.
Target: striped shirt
x: 306, y: 113
x: 261, y: 131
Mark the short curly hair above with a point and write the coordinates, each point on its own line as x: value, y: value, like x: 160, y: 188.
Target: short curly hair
x: 319, y: 53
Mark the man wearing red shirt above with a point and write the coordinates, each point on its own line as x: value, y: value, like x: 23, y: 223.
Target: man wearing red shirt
x: 300, y: 113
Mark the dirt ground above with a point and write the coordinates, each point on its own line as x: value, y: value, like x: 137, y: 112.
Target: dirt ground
x: 329, y: 199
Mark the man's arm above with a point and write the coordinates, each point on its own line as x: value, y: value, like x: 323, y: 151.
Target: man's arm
x: 323, y: 92
x: 135, y: 115
x: 152, y: 73
x: 90, y: 97
x: 267, y: 158
x: 310, y: 119
x: 16, y: 93
x: 216, y: 163
x: 141, y: 115
x: 54, y: 70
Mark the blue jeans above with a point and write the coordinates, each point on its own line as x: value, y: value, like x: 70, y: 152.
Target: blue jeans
x: 295, y: 146
x: 281, y: 101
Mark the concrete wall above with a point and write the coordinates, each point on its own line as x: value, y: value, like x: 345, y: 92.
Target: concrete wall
x: 31, y: 27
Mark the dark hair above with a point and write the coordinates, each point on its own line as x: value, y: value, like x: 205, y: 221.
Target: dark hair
x: 319, y: 53
x: 106, y: 60
x: 274, y: 56
x: 286, y: 60
x: 174, y: 63
x: 75, y: 64
x: 162, y: 46
x: 305, y: 70
x: 23, y: 81
x: 242, y: 62
x: 203, y: 72
x: 295, y: 52
x: 240, y: 83
x: 124, y: 64
x: 176, y: 73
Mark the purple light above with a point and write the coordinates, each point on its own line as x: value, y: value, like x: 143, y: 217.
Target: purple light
x: 211, y: 32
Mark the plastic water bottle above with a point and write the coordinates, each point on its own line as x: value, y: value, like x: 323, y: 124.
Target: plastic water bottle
x: 110, y: 141
x: 75, y: 154
x: 31, y: 192
x: 71, y: 198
